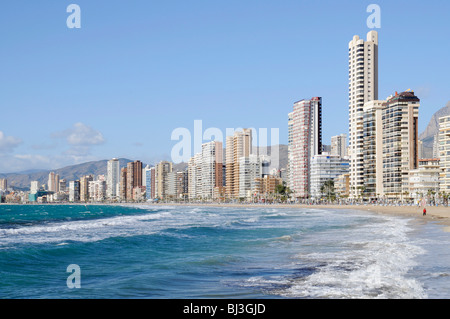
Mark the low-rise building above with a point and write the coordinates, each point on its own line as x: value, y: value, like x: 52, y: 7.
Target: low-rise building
x: 425, y: 179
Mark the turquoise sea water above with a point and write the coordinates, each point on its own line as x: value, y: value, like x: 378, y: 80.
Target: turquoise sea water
x: 152, y: 251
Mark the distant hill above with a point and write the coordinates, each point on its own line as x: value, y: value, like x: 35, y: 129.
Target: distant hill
x: 432, y: 129
x: 22, y: 180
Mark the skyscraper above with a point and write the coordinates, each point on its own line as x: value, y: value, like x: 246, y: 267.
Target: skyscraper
x: 84, y: 187
x: 134, y: 177
x: 53, y: 182
x: 400, y: 142
x: 205, y: 171
x: 147, y: 180
x: 250, y: 168
x: 123, y: 184
x: 212, y: 159
x: 161, y: 179
x: 62, y: 185
x: 113, y: 178
x: 306, y: 142
x: 363, y: 87
x: 3, y: 184
x: 444, y: 151
x: 195, y: 176
x: 74, y: 191
x: 34, y: 187
x: 237, y: 146
x: 373, y: 149
x: 290, y: 143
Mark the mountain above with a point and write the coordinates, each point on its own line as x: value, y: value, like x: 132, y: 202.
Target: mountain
x: 432, y: 129
x: 22, y: 180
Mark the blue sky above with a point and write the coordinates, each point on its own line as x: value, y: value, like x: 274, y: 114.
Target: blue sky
x: 137, y: 70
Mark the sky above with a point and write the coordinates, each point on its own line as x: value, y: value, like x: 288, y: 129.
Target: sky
x: 137, y: 70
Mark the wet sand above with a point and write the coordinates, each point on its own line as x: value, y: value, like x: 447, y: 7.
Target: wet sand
x: 439, y: 214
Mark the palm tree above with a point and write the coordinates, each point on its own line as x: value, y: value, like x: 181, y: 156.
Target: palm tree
x: 328, y: 189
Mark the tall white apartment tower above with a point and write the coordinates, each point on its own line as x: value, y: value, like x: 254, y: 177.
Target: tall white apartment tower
x: 113, y: 178
x: 306, y: 142
x: 363, y: 87
x: 290, y: 144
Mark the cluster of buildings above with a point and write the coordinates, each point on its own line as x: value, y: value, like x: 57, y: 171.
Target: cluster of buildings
x: 239, y: 174
x: 383, y: 159
x: 132, y: 183
x: 380, y: 158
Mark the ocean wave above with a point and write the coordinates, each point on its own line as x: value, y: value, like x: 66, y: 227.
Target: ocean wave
x: 83, y: 230
x: 373, y: 266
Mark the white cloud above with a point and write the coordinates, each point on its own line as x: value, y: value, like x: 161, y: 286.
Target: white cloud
x: 8, y: 143
x: 11, y: 163
x: 81, y: 135
x: 80, y: 138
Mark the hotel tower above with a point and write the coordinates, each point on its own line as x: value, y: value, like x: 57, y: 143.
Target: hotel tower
x: 306, y: 129
x: 363, y: 87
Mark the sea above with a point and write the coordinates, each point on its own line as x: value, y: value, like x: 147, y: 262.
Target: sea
x: 200, y: 252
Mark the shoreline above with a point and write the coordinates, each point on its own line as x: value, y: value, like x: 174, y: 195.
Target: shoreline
x: 437, y: 214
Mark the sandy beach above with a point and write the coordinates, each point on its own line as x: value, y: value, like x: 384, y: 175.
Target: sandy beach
x: 438, y: 214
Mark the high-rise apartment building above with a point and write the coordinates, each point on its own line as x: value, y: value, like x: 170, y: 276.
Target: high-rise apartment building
x: 290, y: 143
x: 195, y: 176
x: 400, y: 142
x: 363, y: 87
x: 212, y: 161
x: 74, y: 191
x: 3, y: 184
x: 205, y: 171
x: 237, y: 146
x: 53, y: 182
x: 339, y: 145
x: 84, y: 187
x: 97, y: 189
x: 62, y: 185
x: 112, y: 178
x: 134, y: 178
x: 372, y: 149
x: 306, y: 142
x: 444, y: 153
x: 123, y: 184
x: 34, y: 187
x: 421, y: 150
x: 172, y: 185
x: 148, y: 174
x: 250, y: 169
x: 436, y: 153
x: 161, y: 179
x: 182, y: 184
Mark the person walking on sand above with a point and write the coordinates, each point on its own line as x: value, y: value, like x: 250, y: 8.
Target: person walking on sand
x: 424, y: 211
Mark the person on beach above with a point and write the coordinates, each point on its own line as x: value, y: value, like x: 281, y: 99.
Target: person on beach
x: 424, y: 211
